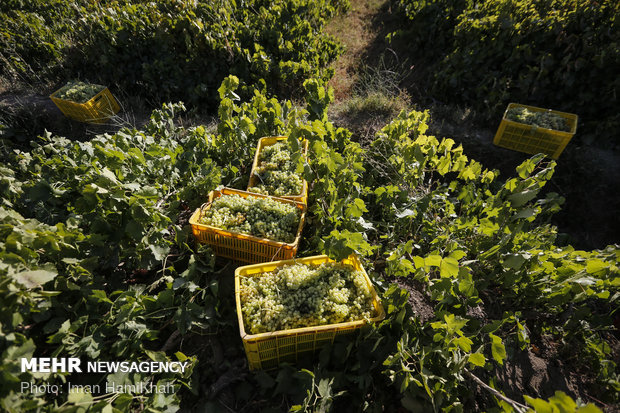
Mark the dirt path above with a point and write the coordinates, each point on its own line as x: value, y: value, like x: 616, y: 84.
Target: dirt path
x: 356, y: 31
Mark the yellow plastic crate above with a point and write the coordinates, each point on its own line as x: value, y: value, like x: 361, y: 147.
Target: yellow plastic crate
x: 97, y: 110
x: 533, y: 139
x: 244, y: 247
x: 268, y: 141
x: 268, y: 350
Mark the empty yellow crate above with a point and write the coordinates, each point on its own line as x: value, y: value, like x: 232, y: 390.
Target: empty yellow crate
x: 268, y: 141
x: 97, y: 110
x: 533, y: 139
x: 244, y: 247
x: 268, y: 350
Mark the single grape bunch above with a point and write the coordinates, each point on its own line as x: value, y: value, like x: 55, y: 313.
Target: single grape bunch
x: 295, y: 296
x: 261, y: 217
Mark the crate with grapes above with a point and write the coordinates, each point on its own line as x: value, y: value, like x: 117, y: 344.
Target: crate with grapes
x: 535, y: 130
x: 85, y: 102
x: 288, y: 309
x: 274, y: 171
x: 249, y: 227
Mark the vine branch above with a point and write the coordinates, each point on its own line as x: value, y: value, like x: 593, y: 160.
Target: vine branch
x: 520, y: 408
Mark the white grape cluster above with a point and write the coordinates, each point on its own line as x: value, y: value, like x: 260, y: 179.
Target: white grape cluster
x: 261, y: 217
x: 299, y: 295
x: 275, y: 172
x: 78, y: 92
x: 546, y: 120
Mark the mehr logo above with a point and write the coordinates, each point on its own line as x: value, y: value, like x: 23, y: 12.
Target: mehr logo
x: 72, y: 365
x: 51, y: 365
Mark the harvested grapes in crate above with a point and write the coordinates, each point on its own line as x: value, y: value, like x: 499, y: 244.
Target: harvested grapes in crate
x: 274, y: 169
x: 289, y: 309
x: 261, y: 217
x: 249, y: 227
x: 78, y: 92
x: 534, y: 130
x: 85, y: 102
x: 299, y: 295
x: 547, y: 120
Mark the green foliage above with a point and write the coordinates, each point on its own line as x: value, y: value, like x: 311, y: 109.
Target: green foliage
x: 432, y: 19
x: 242, y: 125
x: 97, y: 262
x: 468, y: 240
x: 57, y: 301
x: 123, y: 189
x: 173, y: 50
x: 560, y: 403
x: 100, y: 267
x: 318, y: 99
x: 34, y: 37
x: 559, y: 54
x: 472, y: 242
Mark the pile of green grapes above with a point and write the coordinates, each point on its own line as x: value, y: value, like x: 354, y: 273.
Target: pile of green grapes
x: 297, y: 295
x: 275, y: 172
x: 78, y: 92
x: 261, y: 217
x: 546, y: 120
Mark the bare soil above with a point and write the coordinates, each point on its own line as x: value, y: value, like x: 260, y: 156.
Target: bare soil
x: 355, y: 31
x: 31, y: 114
x: 419, y: 301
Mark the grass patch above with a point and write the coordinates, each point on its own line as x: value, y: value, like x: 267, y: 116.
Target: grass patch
x: 377, y: 98
x: 376, y: 105
x: 365, y: 114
